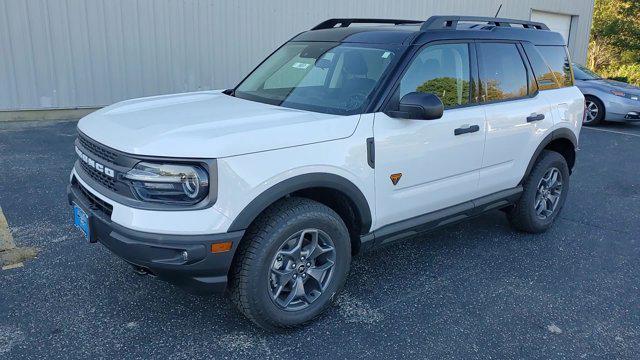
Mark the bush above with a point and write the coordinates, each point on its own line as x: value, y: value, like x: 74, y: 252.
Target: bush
x: 629, y: 73
x: 624, y: 79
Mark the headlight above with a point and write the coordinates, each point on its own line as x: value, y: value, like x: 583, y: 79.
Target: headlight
x: 169, y: 183
x: 625, y: 95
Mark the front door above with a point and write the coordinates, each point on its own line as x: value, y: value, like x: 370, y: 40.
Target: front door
x: 422, y: 165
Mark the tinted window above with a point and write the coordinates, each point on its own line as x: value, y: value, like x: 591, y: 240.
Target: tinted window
x: 582, y: 73
x: 442, y: 70
x: 557, y: 59
x: 502, y: 73
x: 544, y: 76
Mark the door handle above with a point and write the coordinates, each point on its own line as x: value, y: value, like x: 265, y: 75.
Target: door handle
x: 535, y: 117
x: 466, y: 129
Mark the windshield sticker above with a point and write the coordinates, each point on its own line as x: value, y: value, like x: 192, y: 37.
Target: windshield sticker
x: 300, y: 65
x: 386, y: 54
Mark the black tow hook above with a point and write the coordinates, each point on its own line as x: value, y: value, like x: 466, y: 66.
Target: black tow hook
x: 143, y: 271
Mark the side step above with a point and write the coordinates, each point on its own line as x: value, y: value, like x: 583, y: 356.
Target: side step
x: 437, y: 219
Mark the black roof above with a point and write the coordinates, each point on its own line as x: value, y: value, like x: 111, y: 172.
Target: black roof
x: 414, y: 32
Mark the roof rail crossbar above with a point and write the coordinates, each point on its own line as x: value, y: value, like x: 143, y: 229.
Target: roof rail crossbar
x: 451, y: 22
x: 331, y: 23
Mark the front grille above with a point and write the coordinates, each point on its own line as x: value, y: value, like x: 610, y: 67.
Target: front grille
x: 97, y: 149
x: 95, y: 202
x: 101, y: 178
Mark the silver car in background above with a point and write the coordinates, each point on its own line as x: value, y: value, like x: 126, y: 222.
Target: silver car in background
x: 608, y: 100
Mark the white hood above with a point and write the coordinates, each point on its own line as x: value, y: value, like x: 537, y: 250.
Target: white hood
x: 208, y: 125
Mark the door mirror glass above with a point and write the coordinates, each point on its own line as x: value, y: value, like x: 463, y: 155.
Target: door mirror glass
x: 418, y: 106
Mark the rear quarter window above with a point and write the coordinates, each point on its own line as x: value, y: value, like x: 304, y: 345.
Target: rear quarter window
x: 551, y: 65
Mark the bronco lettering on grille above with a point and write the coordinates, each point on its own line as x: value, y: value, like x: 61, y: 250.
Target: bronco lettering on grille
x: 92, y: 163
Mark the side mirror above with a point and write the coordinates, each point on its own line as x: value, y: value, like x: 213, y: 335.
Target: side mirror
x: 418, y: 106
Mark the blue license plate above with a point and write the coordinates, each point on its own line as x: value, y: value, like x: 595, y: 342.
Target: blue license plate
x: 81, y: 221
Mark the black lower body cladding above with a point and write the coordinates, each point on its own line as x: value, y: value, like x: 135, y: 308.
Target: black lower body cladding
x: 183, y: 260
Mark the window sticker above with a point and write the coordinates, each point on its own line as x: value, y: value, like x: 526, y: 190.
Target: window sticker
x: 386, y: 54
x: 300, y: 65
x: 328, y: 56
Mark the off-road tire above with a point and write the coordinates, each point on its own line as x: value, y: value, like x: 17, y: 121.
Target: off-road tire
x: 523, y: 216
x: 249, y: 276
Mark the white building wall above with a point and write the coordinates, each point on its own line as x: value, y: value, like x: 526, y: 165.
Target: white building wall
x: 89, y: 53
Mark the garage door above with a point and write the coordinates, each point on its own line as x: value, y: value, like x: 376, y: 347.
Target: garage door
x: 556, y: 22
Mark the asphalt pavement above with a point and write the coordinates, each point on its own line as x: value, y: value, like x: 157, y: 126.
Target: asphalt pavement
x: 472, y: 290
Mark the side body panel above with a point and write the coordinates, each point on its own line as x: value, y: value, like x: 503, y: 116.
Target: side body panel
x: 512, y: 141
x: 243, y: 178
x: 568, y: 106
x: 439, y: 169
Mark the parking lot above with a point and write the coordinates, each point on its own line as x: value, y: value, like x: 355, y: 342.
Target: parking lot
x: 473, y: 290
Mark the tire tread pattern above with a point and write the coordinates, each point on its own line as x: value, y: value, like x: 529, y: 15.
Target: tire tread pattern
x: 522, y: 216
x: 256, y: 241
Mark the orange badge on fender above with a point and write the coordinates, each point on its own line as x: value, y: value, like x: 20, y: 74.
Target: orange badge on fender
x: 395, y: 178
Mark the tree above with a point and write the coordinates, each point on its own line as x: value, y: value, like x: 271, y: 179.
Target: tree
x: 615, y: 36
x: 451, y: 91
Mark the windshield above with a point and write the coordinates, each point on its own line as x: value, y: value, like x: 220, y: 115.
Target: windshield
x: 328, y: 77
x: 582, y: 73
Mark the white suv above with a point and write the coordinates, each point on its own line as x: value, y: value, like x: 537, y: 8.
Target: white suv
x: 346, y: 138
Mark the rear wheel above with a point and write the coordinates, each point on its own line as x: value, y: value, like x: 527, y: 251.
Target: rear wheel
x: 543, y: 196
x: 294, y: 260
x: 595, y: 111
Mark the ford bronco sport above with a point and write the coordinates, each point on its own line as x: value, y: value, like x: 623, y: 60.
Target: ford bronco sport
x: 345, y: 139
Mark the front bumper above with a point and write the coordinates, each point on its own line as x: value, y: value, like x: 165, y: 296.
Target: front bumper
x: 622, y: 109
x: 161, y: 255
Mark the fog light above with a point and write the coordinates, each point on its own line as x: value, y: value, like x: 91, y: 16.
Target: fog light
x: 185, y: 256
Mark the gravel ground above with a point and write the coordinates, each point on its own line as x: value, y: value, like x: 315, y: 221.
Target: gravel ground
x: 473, y: 290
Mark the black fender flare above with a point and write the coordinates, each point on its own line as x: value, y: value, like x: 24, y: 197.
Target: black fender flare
x: 301, y: 182
x: 561, y: 133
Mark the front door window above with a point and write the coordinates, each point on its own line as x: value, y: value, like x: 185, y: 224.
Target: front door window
x: 442, y: 70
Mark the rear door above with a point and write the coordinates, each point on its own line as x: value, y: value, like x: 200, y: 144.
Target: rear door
x: 517, y: 117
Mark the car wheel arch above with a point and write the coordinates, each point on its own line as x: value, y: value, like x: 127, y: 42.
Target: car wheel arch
x: 302, y: 185
x: 563, y: 141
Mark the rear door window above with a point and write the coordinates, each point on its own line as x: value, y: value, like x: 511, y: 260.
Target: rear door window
x: 503, y: 75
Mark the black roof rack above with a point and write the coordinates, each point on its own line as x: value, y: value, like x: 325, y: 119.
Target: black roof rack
x: 451, y: 22
x: 331, y: 23
x: 434, y: 28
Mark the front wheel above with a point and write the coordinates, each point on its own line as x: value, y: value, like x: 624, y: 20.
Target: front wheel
x: 293, y: 261
x: 545, y: 191
x: 594, y: 112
